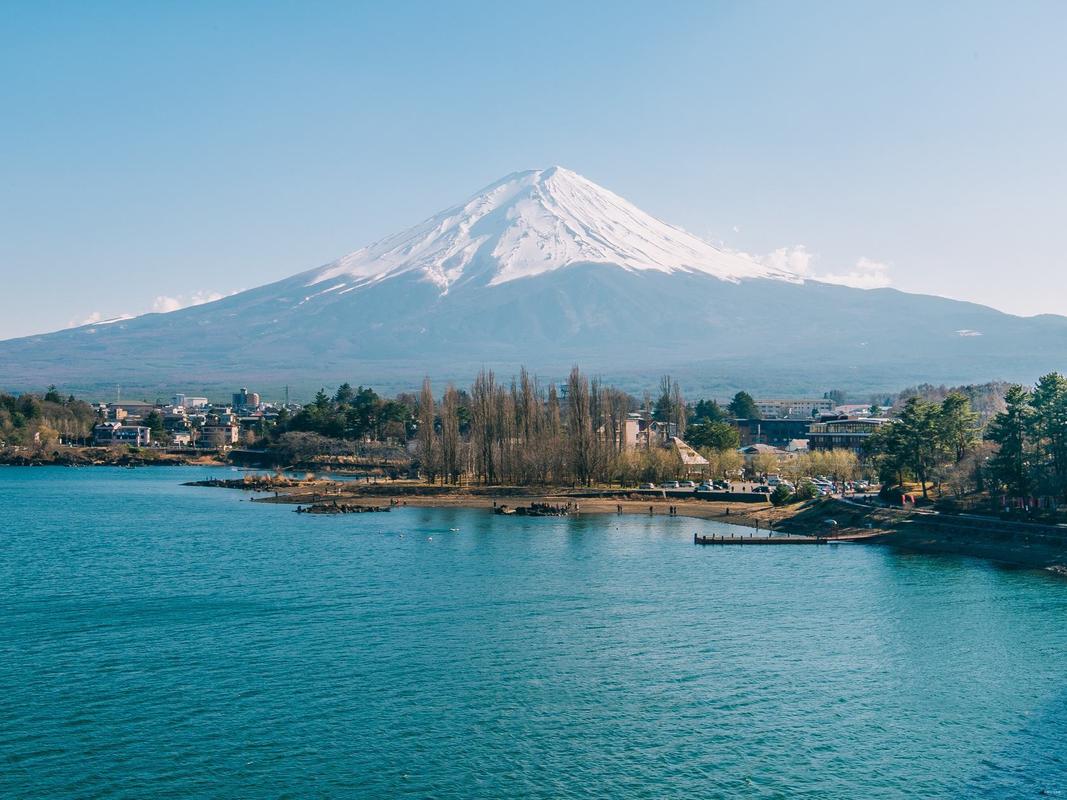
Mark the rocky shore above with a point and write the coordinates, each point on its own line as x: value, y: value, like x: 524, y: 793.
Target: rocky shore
x: 100, y: 457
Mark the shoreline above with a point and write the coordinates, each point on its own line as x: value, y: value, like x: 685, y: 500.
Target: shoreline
x: 744, y: 512
x: 104, y: 457
x: 1011, y: 544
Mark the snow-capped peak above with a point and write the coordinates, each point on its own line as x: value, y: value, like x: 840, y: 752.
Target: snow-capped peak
x: 533, y: 222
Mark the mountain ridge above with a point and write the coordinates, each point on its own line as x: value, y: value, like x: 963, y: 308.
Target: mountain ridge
x: 527, y: 271
x: 532, y: 222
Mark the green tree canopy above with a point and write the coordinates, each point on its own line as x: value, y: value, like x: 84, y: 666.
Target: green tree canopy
x: 708, y: 411
x: 1010, y: 465
x: 718, y: 436
x: 743, y: 406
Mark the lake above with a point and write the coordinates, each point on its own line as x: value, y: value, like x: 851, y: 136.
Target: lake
x: 167, y: 641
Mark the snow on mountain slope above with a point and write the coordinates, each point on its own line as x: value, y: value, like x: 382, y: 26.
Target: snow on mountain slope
x: 530, y: 223
x: 547, y: 269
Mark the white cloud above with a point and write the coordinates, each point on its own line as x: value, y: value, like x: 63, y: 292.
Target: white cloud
x: 794, y: 259
x: 164, y: 304
x: 97, y: 318
x: 866, y: 274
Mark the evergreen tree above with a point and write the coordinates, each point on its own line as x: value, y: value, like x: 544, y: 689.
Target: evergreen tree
x: 1048, y: 429
x: 743, y: 407
x: 708, y: 411
x: 344, y: 394
x: 920, y: 438
x: 154, y: 422
x: 958, y: 425
x: 1010, y: 466
x: 718, y: 436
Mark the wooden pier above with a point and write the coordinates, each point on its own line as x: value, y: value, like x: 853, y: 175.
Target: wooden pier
x: 743, y: 540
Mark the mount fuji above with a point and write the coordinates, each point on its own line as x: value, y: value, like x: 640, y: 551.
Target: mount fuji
x: 548, y: 269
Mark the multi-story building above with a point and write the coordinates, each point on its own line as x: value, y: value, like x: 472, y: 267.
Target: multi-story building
x: 219, y: 435
x: 794, y: 408
x: 640, y: 430
x: 847, y: 433
x: 245, y: 399
x: 775, y: 432
x: 109, y: 433
x: 185, y: 401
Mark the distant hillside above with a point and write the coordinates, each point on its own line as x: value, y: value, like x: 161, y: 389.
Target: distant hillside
x: 547, y: 269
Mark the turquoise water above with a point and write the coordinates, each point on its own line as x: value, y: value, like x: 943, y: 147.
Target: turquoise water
x: 167, y: 641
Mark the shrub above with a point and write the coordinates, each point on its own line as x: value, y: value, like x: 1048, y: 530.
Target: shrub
x: 781, y: 495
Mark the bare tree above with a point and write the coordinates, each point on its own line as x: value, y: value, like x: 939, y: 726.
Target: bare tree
x: 451, y: 457
x: 428, y: 448
x: 579, y: 427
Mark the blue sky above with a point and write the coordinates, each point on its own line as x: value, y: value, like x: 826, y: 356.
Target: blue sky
x: 152, y: 154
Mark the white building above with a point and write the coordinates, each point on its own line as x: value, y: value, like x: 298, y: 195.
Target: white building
x: 185, y: 401
x: 795, y: 408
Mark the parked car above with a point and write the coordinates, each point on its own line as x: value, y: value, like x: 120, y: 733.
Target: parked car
x: 706, y: 487
x: 686, y: 485
x: 647, y: 486
x: 671, y: 485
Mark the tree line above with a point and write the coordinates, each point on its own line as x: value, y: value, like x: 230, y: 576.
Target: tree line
x: 524, y: 431
x: 42, y: 419
x: 925, y: 442
x: 1021, y: 451
x: 1030, y: 435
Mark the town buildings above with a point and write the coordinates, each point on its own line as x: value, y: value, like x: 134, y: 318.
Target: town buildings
x: 185, y: 401
x: 641, y: 431
x: 111, y: 433
x: 245, y: 400
x: 795, y: 408
x: 845, y: 433
x: 776, y: 432
x: 187, y: 421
